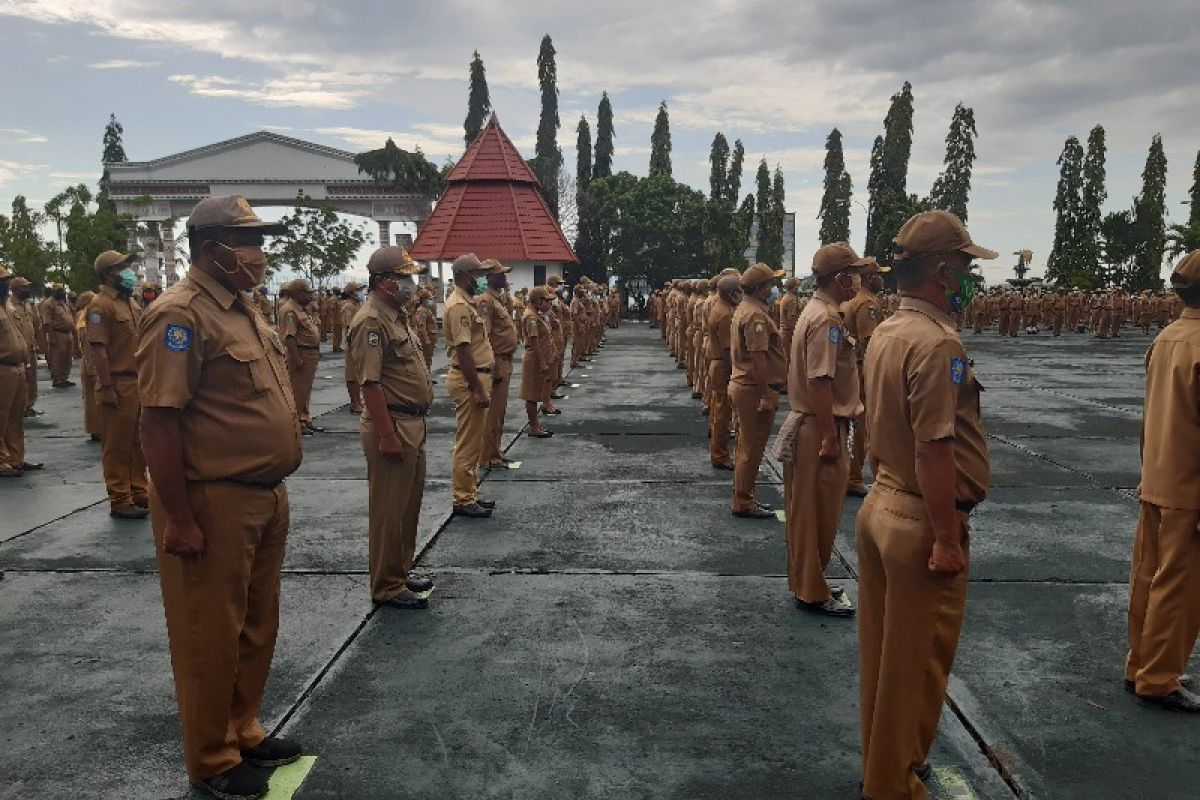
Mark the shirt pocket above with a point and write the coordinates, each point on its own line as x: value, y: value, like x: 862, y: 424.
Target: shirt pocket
x: 250, y: 373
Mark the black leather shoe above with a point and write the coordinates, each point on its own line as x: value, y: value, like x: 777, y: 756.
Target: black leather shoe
x: 273, y: 751
x: 765, y: 507
x: 128, y: 512
x: 541, y: 434
x: 725, y: 465
x: 697, y: 396
x: 407, y: 599
x: 553, y: 413
x: 856, y: 491
x: 419, y: 583
x: 558, y: 396
x: 830, y: 608
x: 474, y: 510
x: 757, y: 513
x: 241, y: 782
x: 488, y: 504
x: 28, y: 467
x: 1181, y: 700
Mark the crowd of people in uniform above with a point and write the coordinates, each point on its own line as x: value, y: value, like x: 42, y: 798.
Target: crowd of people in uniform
x: 885, y: 378
x: 199, y: 397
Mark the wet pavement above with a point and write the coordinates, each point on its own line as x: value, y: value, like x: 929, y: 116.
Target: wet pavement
x: 611, y: 632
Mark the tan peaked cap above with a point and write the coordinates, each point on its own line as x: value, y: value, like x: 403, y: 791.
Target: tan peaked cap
x: 110, y: 259
x: 393, y: 259
x: 466, y: 264
x: 759, y: 274
x: 936, y: 232
x: 230, y: 211
x: 1187, y: 271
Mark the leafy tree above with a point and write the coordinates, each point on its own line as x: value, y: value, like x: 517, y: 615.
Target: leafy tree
x: 604, y: 139
x: 114, y: 147
x: 835, y: 202
x: 1150, y: 211
x: 21, y: 246
x: 318, y: 243
x: 660, y: 144
x: 744, y: 221
x: 952, y: 188
x: 479, y: 101
x: 1066, y: 263
x: 587, y: 240
x: 547, y: 158
x: 890, y: 203
x: 89, y: 232
x: 651, y: 227
x: 771, y: 221
x: 1092, y: 197
x: 718, y: 174
x: 404, y: 171
x: 1119, y: 248
x: 1183, y: 239
x: 874, y: 196
x: 1194, y: 194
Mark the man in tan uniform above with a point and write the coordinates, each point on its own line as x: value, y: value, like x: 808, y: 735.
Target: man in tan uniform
x: 719, y: 325
x: 863, y: 314
x: 301, y: 334
x: 87, y: 373
x: 112, y: 322
x: 390, y: 366
x: 502, y: 334
x: 59, y: 324
x: 14, y: 352
x: 347, y: 309
x: 469, y: 382
x: 221, y: 435
x: 824, y: 396
x: 788, y: 310
x: 931, y: 464
x: 1164, y: 591
x: 538, y: 357
x: 757, y: 378
x: 24, y: 316
x: 424, y: 322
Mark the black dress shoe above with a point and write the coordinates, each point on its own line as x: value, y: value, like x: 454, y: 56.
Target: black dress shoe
x: 541, y: 434
x: 765, y: 507
x: 240, y: 782
x: 273, y: 751
x: 128, y: 512
x: 757, y: 513
x: 1181, y: 700
x: 419, y: 583
x: 553, y: 413
x: 28, y: 467
x: 407, y: 599
x: 830, y: 608
x: 697, y: 395
x: 473, y: 510
x: 558, y: 396
x: 725, y: 465
x: 488, y: 504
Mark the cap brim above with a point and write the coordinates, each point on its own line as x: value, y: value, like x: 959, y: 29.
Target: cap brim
x: 265, y: 228
x: 499, y: 269
x: 980, y: 252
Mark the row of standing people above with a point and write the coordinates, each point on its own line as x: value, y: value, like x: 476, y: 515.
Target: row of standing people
x: 1102, y: 313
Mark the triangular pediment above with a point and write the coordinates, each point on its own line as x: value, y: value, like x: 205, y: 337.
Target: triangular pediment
x: 262, y: 155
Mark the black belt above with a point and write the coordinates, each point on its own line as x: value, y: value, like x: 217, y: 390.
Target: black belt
x: 122, y: 374
x: 779, y: 387
x: 412, y: 411
x: 965, y: 506
x: 484, y: 370
x: 309, y: 346
x: 255, y: 484
x: 12, y: 363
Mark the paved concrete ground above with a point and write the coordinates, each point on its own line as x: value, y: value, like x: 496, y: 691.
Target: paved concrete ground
x: 612, y: 631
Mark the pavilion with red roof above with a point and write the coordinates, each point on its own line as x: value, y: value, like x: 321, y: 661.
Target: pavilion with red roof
x: 493, y: 207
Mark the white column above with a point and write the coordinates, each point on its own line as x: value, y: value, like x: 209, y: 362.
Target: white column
x: 131, y: 243
x: 166, y: 229
x: 385, y: 232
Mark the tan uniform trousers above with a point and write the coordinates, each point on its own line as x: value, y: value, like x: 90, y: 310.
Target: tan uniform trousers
x: 908, y: 626
x: 720, y: 411
x: 91, y: 404
x: 121, y: 456
x: 813, y: 491
x: 396, y: 489
x: 501, y: 381
x: 697, y: 364
x: 1057, y: 320
x: 302, y: 382
x: 858, y: 448
x: 1005, y: 316
x: 339, y: 332
x: 1164, y: 598
x: 428, y: 347
x: 222, y: 617
x: 31, y: 382
x: 12, y: 416
x: 754, y: 429
x: 1104, y: 324
x: 62, y: 350
x: 468, y: 437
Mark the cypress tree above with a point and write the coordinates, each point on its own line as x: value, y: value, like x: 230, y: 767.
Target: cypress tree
x: 890, y: 202
x: 835, y: 202
x: 1064, y: 263
x: 547, y: 154
x: 1194, y: 195
x: 875, y: 197
x: 1150, y: 219
x: 952, y: 188
x: 587, y: 236
x: 479, y: 102
x: 762, y: 206
x: 660, y: 144
x: 1092, y: 197
x: 604, y: 139
x: 718, y: 174
x: 776, y: 217
x: 733, y: 185
x: 743, y: 225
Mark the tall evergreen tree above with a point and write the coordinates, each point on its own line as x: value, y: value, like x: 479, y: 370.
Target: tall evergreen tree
x: 744, y: 227
x: 604, y: 139
x: 114, y: 146
x: 587, y: 238
x: 479, y: 101
x: 874, y: 197
x: 1092, y: 197
x: 547, y: 156
x: 1150, y: 211
x: 952, y: 189
x: 1065, y: 263
x: 895, y: 204
x: 718, y: 173
x: 733, y: 185
x: 1194, y: 195
x: 774, y: 219
x: 835, y: 202
x: 762, y: 207
x: 660, y: 143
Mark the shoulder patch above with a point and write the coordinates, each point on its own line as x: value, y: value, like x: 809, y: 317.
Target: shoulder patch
x: 835, y: 334
x: 178, y: 338
x: 373, y: 338
x: 759, y: 328
x: 95, y: 317
x: 958, y: 370
x: 291, y: 317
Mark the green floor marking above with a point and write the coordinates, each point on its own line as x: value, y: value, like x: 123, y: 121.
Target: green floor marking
x: 781, y: 515
x: 951, y: 784
x: 286, y: 780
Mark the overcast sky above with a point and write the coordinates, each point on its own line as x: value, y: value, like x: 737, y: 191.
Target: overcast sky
x: 779, y: 74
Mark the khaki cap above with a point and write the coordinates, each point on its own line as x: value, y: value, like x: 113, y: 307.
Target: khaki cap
x: 836, y: 257
x: 351, y: 287
x: 494, y: 267
x: 1187, y: 272
x: 111, y: 259
x: 936, y: 232
x: 230, y: 211
x: 791, y: 283
x: 554, y: 280
x: 759, y: 274
x: 539, y: 293
x: 298, y: 286
x: 393, y: 259
x: 18, y: 282
x: 466, y: 264
x: 873, y: 267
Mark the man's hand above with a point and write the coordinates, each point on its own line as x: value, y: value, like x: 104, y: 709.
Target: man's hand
x: 108, y: 396
x: 831, y: 447
x: 184, y: 539
x: 768, y: 403
x: 480, y: 397
x: 947, y: 559
x: 391, y: 448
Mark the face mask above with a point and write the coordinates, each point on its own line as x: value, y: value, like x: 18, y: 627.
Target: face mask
x: 429, y: 304
x: 775, y: 294
x: 250, y: 260
x: 128, y: 280
x: 966, y: 290
x: 403, y: 292
x: 480, y: 285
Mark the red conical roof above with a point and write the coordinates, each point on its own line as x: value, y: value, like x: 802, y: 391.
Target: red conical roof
x: 492, y: 207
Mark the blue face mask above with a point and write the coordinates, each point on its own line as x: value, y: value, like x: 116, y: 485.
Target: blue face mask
x: 775, y: 293
x: 128, y: 279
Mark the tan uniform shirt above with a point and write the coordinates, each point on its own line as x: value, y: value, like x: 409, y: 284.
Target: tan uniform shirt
x: 921, y: 388
x: 719, y: 327
x: 384, y: 349
x: 1171, y: 425
x: 347, y: 311
x: 14, y: 350
x: 863, y: 315
x: 752, y: 331
x: 464, y: 326
x: 498, y: 323
x: 57, y: 317
x: 22, y: 316
x: 539, y: 347
x: 300, y: 323
x: 208, y: 352
x: 113, y: 322
x: 789, y: 311
x: 821, y: 349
